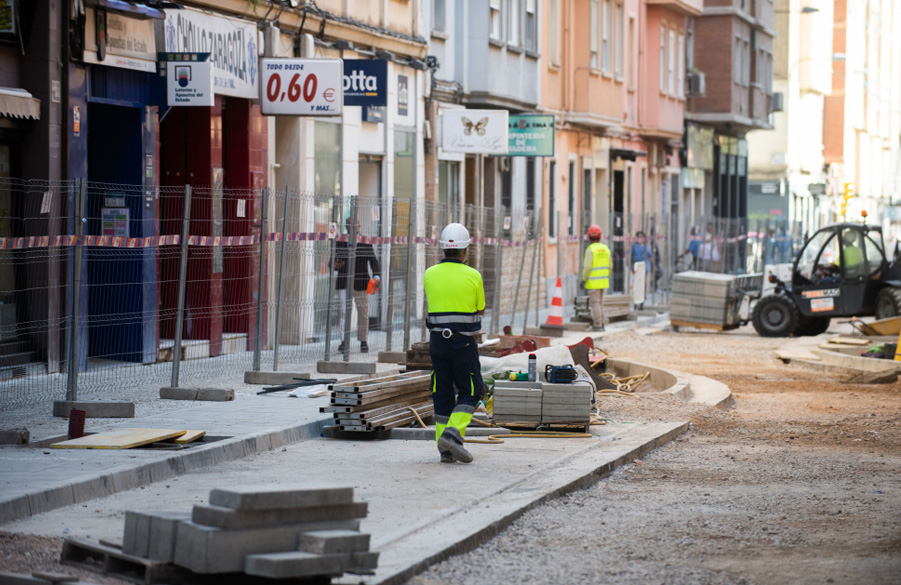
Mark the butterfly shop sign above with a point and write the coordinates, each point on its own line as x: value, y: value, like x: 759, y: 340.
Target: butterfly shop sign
x: 474, y: 131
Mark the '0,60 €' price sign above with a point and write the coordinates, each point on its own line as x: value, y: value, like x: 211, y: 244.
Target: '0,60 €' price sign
x: 301, y: 87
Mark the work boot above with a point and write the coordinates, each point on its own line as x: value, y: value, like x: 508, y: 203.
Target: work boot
x: 598, y: 328
x: 341, y: 347
x: 364, y: 347
x: 447, y: 457
x: 450, y: 443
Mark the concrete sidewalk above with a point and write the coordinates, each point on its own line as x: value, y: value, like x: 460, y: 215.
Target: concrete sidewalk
x: 36, y: 480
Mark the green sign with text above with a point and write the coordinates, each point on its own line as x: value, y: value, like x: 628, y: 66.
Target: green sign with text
x: 531, y: 135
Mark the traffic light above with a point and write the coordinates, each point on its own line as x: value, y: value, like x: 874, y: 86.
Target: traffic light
x: 849, y: 193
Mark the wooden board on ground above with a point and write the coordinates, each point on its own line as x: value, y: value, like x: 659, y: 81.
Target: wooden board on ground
x: 716, y: 327
x: 796, y: 354
x: 850, y: 341
x: 189, y: 437
x: 120, y: 439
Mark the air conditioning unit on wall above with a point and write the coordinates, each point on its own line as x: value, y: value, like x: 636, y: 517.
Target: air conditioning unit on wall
x: 697, y: 86
x: 777, y: 102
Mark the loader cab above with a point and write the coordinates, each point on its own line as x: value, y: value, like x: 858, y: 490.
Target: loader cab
x: 838, y: 270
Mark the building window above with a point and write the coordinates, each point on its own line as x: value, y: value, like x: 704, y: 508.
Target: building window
x: 494, y: 8
x: 633, y: 54
x: 680, y: 82
x: 736, y: 61
x: 662, y: 59
x: 531, y: 25
x: 671, y: 69
x: 514, y: 11
x: 618, y: 41
x: 439, y: 16
x: 553, y: 32
x: 746, y: 63
x: 571, y: 193
x: 552, y: 201
x: 605, y: 38
x: 594, y: 42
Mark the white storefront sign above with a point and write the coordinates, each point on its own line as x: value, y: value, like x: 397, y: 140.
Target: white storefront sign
x: 301, y: 87
x: 474, y: 131
x: 129, y: 43
x: 189, y: 83
x: 232, y: 45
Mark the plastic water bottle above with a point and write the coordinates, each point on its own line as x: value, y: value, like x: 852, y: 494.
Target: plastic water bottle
x: 533, y: 368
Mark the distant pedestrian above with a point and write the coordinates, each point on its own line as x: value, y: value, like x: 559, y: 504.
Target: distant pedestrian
x: 694, y: 245
x: 365, y: 261
x: 709, y: 251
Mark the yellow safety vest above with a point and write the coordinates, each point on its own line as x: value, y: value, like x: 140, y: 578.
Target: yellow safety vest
x: 599, y: 275
x: 455, y: 294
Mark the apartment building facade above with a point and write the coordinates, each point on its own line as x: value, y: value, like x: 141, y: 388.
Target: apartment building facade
x: 731, y: 46
x: 788, y: 186
x: 862, y: 118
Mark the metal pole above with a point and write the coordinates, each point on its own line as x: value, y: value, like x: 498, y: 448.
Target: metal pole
x: 331, y: 283
x: 391, y: 271
x: 498, y: 260
x: 531, y: 275
x: 72, y: 362
x: 281, y: 277
x: 258, y: 345
x: 540, y: 270
x: 410, y: 227
x: 182, y: 286
x: 351, y: 277
x: 522, y: 265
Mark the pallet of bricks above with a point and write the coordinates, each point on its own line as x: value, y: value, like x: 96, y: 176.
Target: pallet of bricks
x: 703, y: 300
x: 381, y: 404
x: 246, y: 534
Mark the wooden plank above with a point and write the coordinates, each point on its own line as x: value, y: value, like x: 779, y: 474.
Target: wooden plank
x: 796, y: 354
x: 189, y: 437
x: 850, y: 341
x: 120, y: 439
x: 376, y: 383
x: 696, y: 325
x: 420, y: 382
x: 380, y: 399
x: 382, y: 410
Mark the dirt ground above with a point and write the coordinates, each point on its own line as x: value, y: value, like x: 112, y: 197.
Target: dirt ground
x: 799, y: 482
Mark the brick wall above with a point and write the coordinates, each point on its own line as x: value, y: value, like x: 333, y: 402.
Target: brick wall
x: 714, y: 43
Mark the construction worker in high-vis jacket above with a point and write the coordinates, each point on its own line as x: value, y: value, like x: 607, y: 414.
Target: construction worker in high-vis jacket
x: 596, y: 276
x: 456, y: 300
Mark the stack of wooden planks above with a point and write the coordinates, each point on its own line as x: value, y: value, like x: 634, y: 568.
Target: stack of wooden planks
x: 380, y: 404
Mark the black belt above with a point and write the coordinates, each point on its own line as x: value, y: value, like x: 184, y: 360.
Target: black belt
x: 448, y: 333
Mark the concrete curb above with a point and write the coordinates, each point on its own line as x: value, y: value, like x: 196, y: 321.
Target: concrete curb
x: 128, y: 477
x: 577, y: 471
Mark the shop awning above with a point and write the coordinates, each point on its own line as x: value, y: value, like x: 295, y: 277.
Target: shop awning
x: 626, y: 154
x: 136, y: 9
x: 18, y: 103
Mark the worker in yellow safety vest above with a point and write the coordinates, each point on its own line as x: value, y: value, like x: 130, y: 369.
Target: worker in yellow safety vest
x: 596, y: 276
x: 456, y: 300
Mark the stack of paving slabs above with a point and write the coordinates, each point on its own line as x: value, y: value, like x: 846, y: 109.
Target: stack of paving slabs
x: 566, y: 403
x: 702, y: 297
x: 381, y: 404
x: 517, y: 402
x: 268, y: 531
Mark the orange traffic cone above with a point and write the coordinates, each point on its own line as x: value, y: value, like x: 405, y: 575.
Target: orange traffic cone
x: 555, y: 318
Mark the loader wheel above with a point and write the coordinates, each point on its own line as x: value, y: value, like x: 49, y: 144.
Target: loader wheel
x: 812, y: 326
x: 888, y: 303
x: 775, y: 316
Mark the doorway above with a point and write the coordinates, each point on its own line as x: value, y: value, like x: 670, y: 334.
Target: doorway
x: 618, y: 232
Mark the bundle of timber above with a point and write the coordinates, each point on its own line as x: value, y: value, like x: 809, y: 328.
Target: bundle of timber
x: 380, y: 404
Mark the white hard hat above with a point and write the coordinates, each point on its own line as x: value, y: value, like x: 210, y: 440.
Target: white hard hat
x: 454, y: 237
